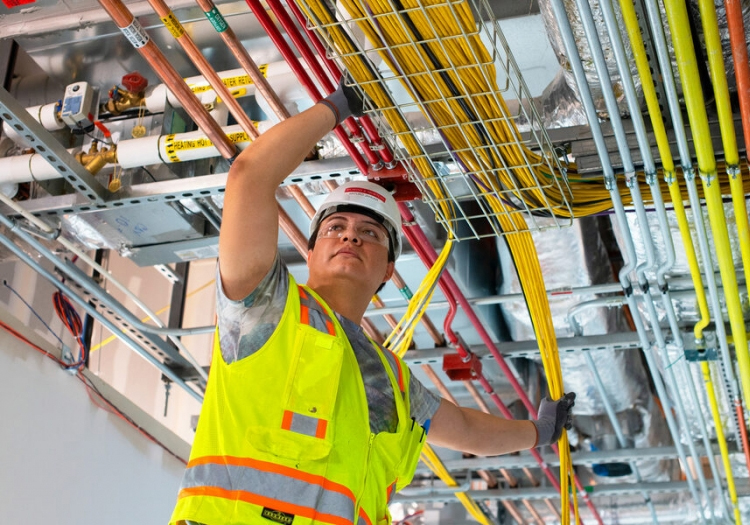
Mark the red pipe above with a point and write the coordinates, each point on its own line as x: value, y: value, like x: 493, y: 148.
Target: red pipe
x: 328, y: 86
x: 124, y: 19
x: 302, y: 76
x: 376, y: 143
x: 741, y: 66
x: 450, y: 289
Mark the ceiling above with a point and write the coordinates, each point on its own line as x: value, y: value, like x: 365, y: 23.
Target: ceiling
x: 626, y: 338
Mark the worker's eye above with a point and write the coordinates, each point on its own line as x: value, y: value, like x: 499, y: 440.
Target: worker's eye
x: 335, y: 227
x: 371, y: 233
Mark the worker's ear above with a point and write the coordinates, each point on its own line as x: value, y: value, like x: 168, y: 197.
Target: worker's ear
x: 389, y: 271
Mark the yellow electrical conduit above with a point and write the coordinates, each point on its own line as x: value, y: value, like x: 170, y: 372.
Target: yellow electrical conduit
x: 686, y: 62
x: 641, y: 61
x: 726, y: 125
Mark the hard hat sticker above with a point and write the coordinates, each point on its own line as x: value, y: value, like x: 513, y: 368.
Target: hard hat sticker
x: 367, y: 192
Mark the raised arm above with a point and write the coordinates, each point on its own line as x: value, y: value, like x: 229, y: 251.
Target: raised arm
x: 250, y: 222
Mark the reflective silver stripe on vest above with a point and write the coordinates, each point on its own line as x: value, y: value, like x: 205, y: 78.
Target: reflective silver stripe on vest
x: 270, y: 485
x: 302, y: 424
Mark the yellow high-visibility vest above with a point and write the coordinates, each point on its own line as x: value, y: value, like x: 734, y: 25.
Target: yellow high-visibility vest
x: 284, y: 434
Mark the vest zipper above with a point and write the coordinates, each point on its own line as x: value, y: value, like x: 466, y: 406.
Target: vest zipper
x: 364, y: 480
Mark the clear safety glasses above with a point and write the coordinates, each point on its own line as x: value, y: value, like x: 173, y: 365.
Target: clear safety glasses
x: 337, y: 227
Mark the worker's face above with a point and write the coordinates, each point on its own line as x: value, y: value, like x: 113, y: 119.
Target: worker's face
x: 354, y: 245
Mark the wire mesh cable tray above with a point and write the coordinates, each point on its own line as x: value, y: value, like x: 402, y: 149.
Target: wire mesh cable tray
x: 436, y: 82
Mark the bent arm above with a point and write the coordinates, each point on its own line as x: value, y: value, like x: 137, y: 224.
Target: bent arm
x: 250, y: 222
x: 472, y: 431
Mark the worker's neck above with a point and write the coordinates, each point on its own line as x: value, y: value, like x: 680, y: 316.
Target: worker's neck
x: 342, y: 300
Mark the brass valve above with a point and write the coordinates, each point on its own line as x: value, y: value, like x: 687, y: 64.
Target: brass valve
x: 121, y: 100
x: 96, y: 159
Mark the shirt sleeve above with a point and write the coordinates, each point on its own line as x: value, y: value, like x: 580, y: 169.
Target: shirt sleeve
x: 246, y: 325
x: 423, y: 403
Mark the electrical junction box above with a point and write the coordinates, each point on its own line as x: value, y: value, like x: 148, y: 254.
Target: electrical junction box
x: 77, y: 106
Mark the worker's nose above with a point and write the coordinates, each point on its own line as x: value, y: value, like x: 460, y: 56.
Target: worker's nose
x: 350, y: 234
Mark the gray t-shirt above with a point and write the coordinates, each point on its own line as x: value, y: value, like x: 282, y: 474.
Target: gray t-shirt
x: 246, y: 325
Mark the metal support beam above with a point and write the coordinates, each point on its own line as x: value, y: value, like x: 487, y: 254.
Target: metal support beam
x: 525, y: 460
x: 618, y: 341
x: 531, y: 493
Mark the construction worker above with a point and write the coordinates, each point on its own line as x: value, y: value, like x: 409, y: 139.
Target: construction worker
x: 305, y: 419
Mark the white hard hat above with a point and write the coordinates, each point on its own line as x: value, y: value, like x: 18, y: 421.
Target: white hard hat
x: 368, y: 198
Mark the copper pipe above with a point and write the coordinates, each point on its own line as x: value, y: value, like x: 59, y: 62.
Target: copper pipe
x: 303, y: 201
x: 226, y: 33
x: 392, y: 321
x: 534, y: 513
x: 196, y: 57
x: 299, y: 240
x: 124, y: 19
x: 513, y: 511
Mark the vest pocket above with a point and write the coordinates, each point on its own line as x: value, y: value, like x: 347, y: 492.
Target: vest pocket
x: 303, y: 429
x: 382, y: 470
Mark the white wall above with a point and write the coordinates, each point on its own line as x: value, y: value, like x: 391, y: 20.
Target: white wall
x: 65, y: 461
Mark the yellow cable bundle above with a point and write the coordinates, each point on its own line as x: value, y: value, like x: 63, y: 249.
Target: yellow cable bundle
x: 401, y: 337
x: 431, y: 459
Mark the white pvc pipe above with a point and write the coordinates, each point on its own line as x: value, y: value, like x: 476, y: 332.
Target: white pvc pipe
x: 46, y: 115
x: 157, y: 149
x: 279, y: 74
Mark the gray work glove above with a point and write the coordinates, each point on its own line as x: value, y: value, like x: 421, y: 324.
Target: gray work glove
x: 552, y: 417
x: 344, y: 102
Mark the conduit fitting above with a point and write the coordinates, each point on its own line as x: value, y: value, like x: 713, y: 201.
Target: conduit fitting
x: 688, y: 173
x: 733, y: 171
x: 631, y: 179
x: 95, y: 160
x: 708, y: 178
x: 650, y: 177
x: 610, y: 182
x: 669, y: 177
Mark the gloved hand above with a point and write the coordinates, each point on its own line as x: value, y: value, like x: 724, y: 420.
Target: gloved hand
x: 552, y: 417
x: 344, y: 102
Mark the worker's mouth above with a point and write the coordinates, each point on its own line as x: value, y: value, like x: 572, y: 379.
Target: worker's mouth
x: 347, y: 253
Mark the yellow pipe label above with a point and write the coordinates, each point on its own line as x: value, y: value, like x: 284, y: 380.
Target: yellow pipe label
x: 202, y: 142
x: 170, y: 149
x: 175, y: 27
x: 231, y: 82
x: 236, y: 93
